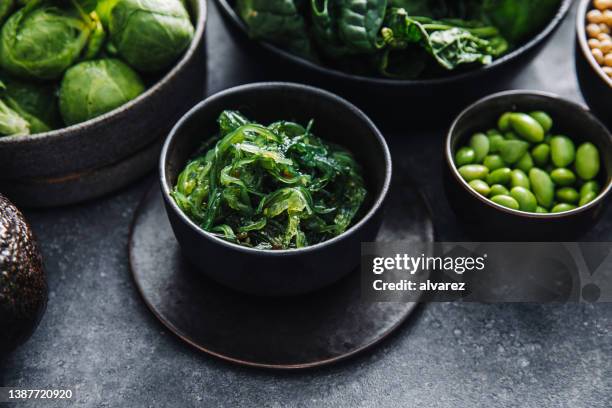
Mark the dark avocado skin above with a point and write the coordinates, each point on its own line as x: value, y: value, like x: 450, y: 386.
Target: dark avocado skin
x: 23, y: 288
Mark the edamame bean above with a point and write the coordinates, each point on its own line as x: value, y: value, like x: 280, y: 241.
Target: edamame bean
x: 494, y: 142
x: 525, y: 198
x: 500, y: 176
x: 542, y: 186
x: 541, y: 210
x: 590, y: 187
x: 525, y: 163
x: 503, y: 123
x: 527, y: 127
x: 587, y: 161
x: 471, y: 172
x: 480, y: 143
x: 568, y: 195
x: 511, y: 136
x: 512, y: 150
x: 494, y: 162
x: 563, y: 177
x: 518, y: 178
x: 480, y: 187
x: 498, y: 189
x: 506, y: 201
x: 541, y: 154
x: 465, y: 155
x: 562, y: 208
x: 562, y: 151
x: 587, y: 198
x: 543, y: 119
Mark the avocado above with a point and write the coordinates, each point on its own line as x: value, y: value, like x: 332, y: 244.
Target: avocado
x: 23, y: 287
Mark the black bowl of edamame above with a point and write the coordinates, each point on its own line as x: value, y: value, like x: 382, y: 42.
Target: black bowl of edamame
x: 527, y: 165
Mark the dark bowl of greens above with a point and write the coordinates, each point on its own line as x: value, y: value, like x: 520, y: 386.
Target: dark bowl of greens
x: 432, y: 55
x: 85, y: 89
x: 594, y: 78
x: 271, y: 188
x: 528, y: 166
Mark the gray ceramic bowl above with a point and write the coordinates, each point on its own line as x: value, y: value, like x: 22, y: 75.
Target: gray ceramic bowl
x: 32, y: 166
x: 283, y: 272
x: 488, y: 221
x: 595, y: 85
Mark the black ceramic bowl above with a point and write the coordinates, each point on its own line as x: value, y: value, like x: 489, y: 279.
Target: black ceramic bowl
x: 595, y: 85
x: 286, y: 272
x: 393, y: 100
x: 487, y: 221
x: 92, y: 158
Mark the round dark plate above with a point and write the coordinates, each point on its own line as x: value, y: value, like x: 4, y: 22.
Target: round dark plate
x: 283, y: 332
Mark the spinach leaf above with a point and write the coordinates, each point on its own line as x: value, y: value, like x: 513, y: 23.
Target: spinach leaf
x: 516, y: 19
x: 270, y: 187
x: 360, y: 22
x: 324, y: 16
x: 277, y: 21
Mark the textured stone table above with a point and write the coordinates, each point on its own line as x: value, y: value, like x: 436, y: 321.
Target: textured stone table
x: 99, y: 338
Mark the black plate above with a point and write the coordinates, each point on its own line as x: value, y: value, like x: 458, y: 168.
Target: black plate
x: 282, y: 333
x: 393, y: 101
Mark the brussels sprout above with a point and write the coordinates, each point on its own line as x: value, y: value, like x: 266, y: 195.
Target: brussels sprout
x: 6, y: 6
x: 149, y: 34
x: 92, y: 88
x: 11, y: 123
x: 40, y: 41
x: 36, y: 103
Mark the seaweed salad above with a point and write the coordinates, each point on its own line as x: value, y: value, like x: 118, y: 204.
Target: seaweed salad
x: 396, y: 38
x: 270, y: 187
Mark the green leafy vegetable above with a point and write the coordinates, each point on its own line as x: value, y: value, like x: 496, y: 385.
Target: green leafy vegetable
x: 274, y: 187
x: 401, y: 38
x: 92, y: 88
x: 277, y: 21
x: 42, y: 40
x: 6, y: 6
x: 148, y: 34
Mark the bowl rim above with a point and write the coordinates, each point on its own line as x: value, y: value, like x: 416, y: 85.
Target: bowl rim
x: 552, y: 25
x: 263, y: 87
x: 451, y: 135
x: 581, y: 37
x: 76, y: 129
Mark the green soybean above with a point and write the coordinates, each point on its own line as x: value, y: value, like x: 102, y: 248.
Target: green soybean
x: 498, y: 189
x: 511, y: 136
x: 541, y: 154
x: 563, y: 177
x: 525, y: 198
x: 542, y: 186
x: 562, y: 151
x: 587, y: 161
x: 568, y: 195
x: 480, y: 143
x: 590, y: 187
x: 527, y: 127
x: 494, y: 162
x: 500, y: 176
x: 543, y: 119
x: 512, y: 150
x: 587, y: 198
x: 481, y: 187
x: 541, y: 210
x: 465, y: 155
x: 518, y: 178
x: 562, y: 207
x: 525, y: 163
x: 503, y: 123
x: 494, y: 142
x: 506, y: 201
x: 471, y: 172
